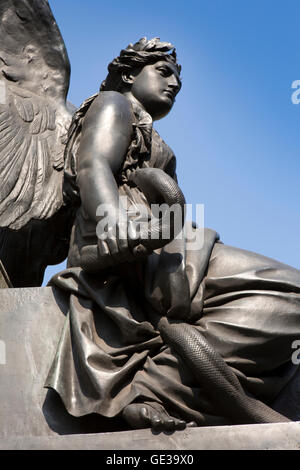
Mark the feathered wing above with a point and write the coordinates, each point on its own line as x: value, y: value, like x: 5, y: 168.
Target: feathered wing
x: 34, y: 120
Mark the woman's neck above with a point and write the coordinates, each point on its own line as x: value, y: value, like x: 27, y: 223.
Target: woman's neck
x: 133, y: 100
x: 137, y: 107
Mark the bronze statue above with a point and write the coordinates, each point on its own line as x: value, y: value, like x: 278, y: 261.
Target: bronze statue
x: 158, y: 333
x: 175, y: 337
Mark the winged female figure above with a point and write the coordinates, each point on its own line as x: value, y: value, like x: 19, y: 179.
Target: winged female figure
x: 158, y: 333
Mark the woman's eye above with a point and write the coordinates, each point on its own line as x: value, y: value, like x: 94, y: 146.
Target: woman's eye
x: 163, y: 72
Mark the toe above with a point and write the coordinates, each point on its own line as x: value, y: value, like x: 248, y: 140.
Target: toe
x: 192, y: 424
x: 156, y: 422
x: 180, y: 424
x: 144, y: 414
x: 169, y: 424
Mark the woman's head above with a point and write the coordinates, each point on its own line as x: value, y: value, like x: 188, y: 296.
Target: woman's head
x: 150, y: 72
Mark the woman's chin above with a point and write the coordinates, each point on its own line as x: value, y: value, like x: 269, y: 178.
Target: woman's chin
x: 162, y: 111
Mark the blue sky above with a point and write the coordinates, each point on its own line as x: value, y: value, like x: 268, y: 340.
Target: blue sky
x: 234, y: 129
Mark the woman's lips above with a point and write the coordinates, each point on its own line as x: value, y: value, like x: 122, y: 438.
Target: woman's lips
x: 170, y: 94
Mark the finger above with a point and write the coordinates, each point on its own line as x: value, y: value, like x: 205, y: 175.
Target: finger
x: 105, y: 258
x: 103, y: 249
x: 109, y: 249
x: 124, y: 253
x: 123, y: 245
x: 132, y: 235
x: 111, y: 241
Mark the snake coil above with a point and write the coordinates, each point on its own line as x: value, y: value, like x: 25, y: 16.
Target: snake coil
x: 209, y: 368
x: 215, y: 376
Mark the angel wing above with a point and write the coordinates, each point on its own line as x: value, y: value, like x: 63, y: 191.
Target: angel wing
x: 34, y: 119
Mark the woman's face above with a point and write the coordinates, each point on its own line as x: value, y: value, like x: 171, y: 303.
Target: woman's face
x: 156, y: 87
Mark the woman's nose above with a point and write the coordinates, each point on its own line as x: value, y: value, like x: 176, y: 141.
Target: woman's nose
x: 174, y: 84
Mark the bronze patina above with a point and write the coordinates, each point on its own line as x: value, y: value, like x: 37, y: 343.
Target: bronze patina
x: 157, y: 333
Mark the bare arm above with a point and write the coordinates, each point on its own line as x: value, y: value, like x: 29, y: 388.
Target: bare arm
x: 106, y: 135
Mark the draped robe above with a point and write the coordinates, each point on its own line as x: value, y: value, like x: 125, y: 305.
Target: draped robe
x: 111, y: 353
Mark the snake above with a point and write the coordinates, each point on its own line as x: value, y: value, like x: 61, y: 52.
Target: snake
x: 229, y: 399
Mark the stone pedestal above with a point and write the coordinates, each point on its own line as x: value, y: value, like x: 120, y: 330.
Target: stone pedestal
x: 32, y: 417
x: 284, y: 436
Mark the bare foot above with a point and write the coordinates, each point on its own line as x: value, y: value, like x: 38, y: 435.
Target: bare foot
x: 145, y: 415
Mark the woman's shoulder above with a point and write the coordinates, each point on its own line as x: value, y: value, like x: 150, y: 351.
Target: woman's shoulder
x: 110, y: 111
x: 113, y: 102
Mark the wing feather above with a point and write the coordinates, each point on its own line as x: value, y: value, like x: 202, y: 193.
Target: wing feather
x: 24, y: 108
x: 34, y: 118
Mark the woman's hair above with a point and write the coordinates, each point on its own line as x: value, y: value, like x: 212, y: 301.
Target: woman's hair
x: 143, y: 52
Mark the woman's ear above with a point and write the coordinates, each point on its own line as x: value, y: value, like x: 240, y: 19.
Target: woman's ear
x: 128, y: 78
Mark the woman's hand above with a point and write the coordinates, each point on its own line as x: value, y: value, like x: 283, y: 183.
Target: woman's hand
x: 119, y: 243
